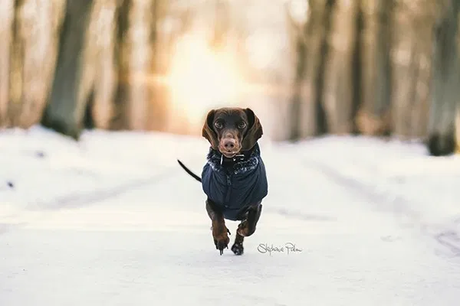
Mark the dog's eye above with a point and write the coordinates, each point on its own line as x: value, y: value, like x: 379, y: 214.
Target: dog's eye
x: 218, y: 125
x: 242, y: 125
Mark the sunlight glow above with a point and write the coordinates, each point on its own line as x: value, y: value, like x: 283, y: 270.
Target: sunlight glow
x: 201, y: 79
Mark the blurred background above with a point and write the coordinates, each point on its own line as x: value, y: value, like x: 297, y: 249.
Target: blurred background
x: 308, y: 68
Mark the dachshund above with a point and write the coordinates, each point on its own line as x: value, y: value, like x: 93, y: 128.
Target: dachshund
x: 234, y: 177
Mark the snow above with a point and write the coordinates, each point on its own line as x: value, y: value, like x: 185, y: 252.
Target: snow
x: 114, y: 220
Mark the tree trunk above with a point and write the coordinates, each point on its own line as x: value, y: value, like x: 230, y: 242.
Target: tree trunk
x: 100, y: 71
x: 412, y: 96
x: 120, y: 118
x: 295, y: 116
x: 322, y: 126
x: 356, y: 67
x: 154, y: 105
x: 6, y: 21
x: 89, y: 122
x: 157, y: 106
x: 64, y: 112
x: 303, y: 38
x: 457, y: 138
x: 383, y: 85
x: 16, y: 80
x: 445, y: 81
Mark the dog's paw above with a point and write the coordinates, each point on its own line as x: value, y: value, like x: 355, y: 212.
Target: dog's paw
x: 221, y: 245
x: 221, y: 239
x: 238, y: 249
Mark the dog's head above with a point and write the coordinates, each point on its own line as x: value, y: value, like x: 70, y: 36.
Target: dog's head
x: 232, y: 130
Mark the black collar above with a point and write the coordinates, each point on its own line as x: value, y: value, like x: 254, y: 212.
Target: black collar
x: 235, y: 159
x: 242, y: 162
x: 240, y: 157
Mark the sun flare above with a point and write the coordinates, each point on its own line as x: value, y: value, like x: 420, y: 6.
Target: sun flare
x: 201, y: 79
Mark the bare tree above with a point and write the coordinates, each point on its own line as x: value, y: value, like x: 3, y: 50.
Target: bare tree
x: 6, y: 18
x: 295, y: 115
x: 322, y: 126
x: 65, y: 110
x: 356, y: 66
x: 412, y: 97
x: 303, y: 37
x: 457, y: 138
x: 16, y: 80
x: 157, y: 105
x: 120, y: 118
x: 445, y: 82
x: 383, y: 81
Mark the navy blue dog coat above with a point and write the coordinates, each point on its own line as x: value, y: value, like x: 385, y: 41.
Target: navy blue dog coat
x: 234, y: 189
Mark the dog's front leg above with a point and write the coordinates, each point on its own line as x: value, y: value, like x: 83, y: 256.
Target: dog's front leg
x: 219, y: 230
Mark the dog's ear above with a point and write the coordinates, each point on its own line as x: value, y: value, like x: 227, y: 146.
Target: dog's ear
x: 208, y: 132
x: 254, y: 131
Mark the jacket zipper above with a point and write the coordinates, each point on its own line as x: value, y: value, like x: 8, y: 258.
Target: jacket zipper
x: 229, y: 188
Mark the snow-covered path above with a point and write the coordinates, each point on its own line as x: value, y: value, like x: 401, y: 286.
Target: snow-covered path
x: 149, y: 242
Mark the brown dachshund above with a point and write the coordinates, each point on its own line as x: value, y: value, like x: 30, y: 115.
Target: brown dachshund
x: 234, y: 177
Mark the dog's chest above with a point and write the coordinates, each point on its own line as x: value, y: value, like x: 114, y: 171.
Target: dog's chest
x: 235, y: 189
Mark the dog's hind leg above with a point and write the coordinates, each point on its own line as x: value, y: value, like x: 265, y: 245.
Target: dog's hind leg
x: 248, y: 226
x: 219, y: 230
x: 237, y: 247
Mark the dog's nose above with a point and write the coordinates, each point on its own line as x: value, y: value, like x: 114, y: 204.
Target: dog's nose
x: 229, y: 144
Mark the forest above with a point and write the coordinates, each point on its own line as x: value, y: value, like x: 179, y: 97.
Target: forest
x: 381, y: 68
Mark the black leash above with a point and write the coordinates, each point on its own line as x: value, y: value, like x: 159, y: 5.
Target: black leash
x: 196, y: 177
